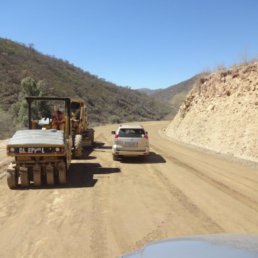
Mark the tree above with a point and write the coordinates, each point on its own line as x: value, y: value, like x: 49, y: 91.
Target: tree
x: 19, y: 110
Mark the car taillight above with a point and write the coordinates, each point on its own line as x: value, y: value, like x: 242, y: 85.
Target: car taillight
x: 116, y: 136
x: 146, y: 136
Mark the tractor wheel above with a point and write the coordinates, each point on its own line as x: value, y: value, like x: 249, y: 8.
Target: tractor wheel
x: 92, y: 139
x: 78, y: 146
x: 62, y: 173
x: 25, y: 182
x: 115, y: 157
x: 50, y: 175
x: 37, y: 175
x: 12, y: 180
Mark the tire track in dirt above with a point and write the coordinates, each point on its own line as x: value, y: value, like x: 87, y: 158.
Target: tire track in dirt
x: 219, y: 185
x: 226, y: 189
x: 160, y: 231
x: 98, y: 237
x: 233, y: 179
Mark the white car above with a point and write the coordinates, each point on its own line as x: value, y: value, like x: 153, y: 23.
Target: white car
x: 130, y: 140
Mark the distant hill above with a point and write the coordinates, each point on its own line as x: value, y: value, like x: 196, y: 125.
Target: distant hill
x: 173, y: 95
x: 106, y: 101
x: 147, y: 91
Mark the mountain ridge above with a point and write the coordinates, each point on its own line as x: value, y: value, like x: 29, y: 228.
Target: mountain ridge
x: 173, y: 95
x: 107, y: 102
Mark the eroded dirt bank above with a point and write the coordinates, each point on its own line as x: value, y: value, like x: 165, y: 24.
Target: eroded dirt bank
x: 221, y: 113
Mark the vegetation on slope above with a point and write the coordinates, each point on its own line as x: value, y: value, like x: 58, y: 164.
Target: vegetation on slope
x: 174, y: 95
x: 107, y: 103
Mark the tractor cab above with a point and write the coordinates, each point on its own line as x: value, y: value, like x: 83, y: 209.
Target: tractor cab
x: 49, y: 113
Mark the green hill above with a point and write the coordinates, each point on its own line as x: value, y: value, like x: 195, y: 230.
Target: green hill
x: 173, y: 95
x: 106, y: 101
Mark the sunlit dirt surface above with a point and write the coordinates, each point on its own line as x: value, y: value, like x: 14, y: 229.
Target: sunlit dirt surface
x: 109, y: 208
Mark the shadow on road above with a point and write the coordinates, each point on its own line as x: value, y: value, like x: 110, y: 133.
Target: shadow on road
x: 79, y: 175
x: 151, y: 159
x: 101, y: 145
x: 87, y: 150
x: 82, y: 174
x: 86, y: 153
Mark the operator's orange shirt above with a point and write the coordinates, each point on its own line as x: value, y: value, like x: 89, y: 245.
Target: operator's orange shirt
x: 58, y: 120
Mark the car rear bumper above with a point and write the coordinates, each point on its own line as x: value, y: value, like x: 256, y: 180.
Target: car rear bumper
x: 131, y: 153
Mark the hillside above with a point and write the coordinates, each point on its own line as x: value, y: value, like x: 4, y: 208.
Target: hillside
x: 106, y: 102
x: 173, y: 95
x: 221, y: 113
x: 147, y: 91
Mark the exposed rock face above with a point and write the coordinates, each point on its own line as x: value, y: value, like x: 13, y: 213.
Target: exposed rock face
x: 220, y: 113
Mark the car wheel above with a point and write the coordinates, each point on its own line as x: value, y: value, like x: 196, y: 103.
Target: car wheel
x: 115, y: 157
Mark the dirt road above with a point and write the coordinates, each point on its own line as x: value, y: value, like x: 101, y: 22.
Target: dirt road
x: 110, y: 207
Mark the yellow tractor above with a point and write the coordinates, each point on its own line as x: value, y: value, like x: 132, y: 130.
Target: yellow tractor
x: 42, y: 154
x: 82, y: 135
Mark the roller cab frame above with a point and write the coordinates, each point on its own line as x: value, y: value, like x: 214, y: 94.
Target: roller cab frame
x: 42, y: 155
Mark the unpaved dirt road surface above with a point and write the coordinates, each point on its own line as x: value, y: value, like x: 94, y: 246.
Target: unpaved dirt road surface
x: 110, y: 208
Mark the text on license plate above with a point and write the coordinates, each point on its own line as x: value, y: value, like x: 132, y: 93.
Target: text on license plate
x: 131, y: 144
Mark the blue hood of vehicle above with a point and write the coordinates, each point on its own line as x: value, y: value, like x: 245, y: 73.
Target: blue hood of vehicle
x: 206, y: 246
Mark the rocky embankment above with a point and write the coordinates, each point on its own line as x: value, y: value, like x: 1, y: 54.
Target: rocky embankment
x: 220, y: 113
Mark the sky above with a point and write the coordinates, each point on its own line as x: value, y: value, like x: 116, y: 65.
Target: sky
x: 137, y: 43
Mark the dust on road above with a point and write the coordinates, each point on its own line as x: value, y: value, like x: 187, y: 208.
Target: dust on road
x: 109, y: 208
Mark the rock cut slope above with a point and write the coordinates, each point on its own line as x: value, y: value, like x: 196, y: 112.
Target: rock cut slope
x: 220, y: 113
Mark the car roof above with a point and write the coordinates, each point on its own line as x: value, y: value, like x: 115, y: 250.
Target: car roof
x: 130, y: 127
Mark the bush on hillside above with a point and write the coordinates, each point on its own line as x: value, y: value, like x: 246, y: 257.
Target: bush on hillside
x: 19, y: 110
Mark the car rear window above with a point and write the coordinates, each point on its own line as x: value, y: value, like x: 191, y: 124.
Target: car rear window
x: 131, y: 133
